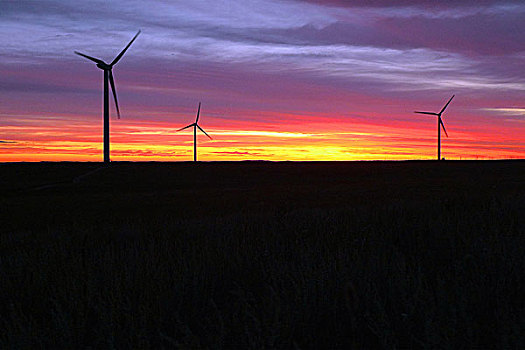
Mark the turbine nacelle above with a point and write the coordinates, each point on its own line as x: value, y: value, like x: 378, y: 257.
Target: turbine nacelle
x: 104, y: 66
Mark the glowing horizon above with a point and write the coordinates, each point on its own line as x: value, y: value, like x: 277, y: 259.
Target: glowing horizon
x: 294, y: 80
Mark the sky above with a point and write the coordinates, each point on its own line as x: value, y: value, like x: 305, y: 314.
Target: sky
x: 278, y: 80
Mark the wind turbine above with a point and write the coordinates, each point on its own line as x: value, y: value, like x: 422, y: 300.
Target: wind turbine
x: 108, y: 77
x: 440, y: 124
x: 195, y: 126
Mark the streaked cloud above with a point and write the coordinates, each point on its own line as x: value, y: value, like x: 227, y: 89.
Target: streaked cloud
x: 507, y: 111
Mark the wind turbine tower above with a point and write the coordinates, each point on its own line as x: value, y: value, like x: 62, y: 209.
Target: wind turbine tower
x: 440, y: 125
x: 108, y: 78
x: 195, y: 126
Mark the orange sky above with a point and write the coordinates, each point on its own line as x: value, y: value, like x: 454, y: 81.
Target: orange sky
x: 73, y: 140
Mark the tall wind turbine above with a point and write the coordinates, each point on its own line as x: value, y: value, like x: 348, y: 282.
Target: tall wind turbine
x: 440, y: 124
x: 195, y: 126
x: 108, y: 77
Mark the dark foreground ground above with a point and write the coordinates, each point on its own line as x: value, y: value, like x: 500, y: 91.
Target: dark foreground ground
x: 263, y: 255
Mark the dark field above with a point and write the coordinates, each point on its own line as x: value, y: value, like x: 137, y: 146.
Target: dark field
x: 263, y: 255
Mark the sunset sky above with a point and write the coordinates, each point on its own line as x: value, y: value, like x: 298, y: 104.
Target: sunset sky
x: 278, y: 80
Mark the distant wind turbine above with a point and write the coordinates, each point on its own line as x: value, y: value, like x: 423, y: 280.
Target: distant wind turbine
x: 195, y: 126
x: 108, y: 77
x: 440, y: 125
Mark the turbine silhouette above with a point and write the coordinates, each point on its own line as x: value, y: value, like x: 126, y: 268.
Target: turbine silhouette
x: 108, y: 77
x: 440, y: 125
x: 195, y: 126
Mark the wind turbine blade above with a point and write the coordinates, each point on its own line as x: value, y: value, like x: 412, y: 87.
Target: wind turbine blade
x: 96, y: 60
x: 204, y: 132
x: 112, y: 82
x: 123, y: 51
x: 443, y: 126
x: 189, y: 126
x: 198, y: 113
x: 446, y: 104
x: 429, y: 113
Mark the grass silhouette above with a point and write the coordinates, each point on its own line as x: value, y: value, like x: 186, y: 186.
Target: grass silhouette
x: 263, y: 255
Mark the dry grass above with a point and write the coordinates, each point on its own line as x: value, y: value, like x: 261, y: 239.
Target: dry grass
x: 326, y: 264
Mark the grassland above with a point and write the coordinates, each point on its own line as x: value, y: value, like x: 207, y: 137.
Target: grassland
x: 263, y: 255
